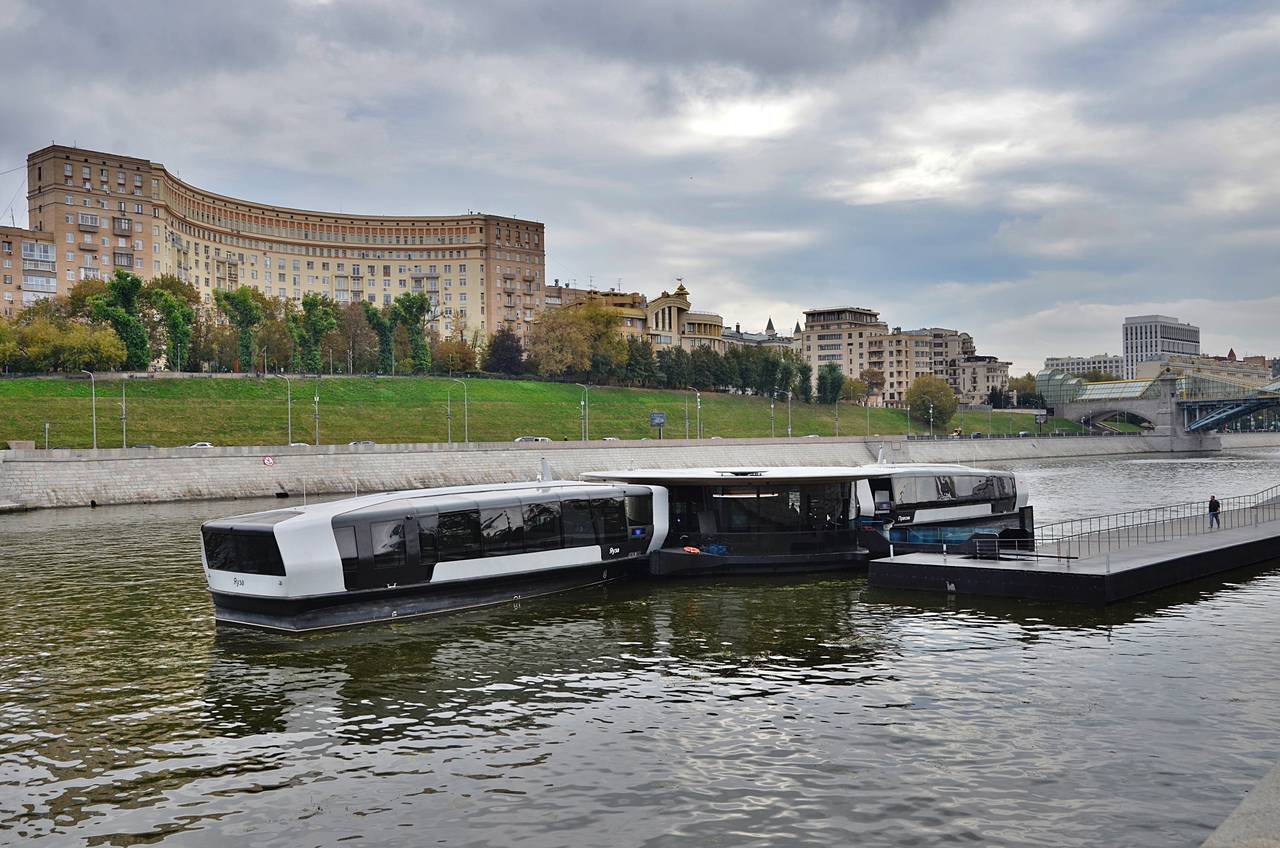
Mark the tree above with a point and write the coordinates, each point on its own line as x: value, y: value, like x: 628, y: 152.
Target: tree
x: 559, y: 345
x: 455, y: 355
x: 1026, y: 384
x: 173, y: 303
x: 874, y: 378
x: 49, y: 345
x: 384, y: 325
x: 603, y: 326
x: 309, y: 328
x: 354, y: 339
x: 78, y: 298
x: 8, y: 344
x: 178, y: 318
x: 1095, y: 375
x: 804, y: 376
x: 704, y: 368
x: 998, y: 398
x: 245, y: 312
x: 855, y: 390
x: 642, y: 367
x: 830, y: 383
x: 931, y: 400
x: 120, y: 307
x: 505, y: 354
x: 675, y: 370
x: 410, y: 311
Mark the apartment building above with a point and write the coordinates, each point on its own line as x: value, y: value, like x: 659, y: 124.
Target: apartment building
x: 839, y: 335
x: 1149, y: 337
x: 770, y: 338
x: 976, y: 376
x: 28, y: 269
x: 107, y: 211
x: 1249, y: 371
x: 1078, y: 365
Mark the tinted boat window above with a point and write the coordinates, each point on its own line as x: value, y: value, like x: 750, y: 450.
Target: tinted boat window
x: 502, y: 531
x: 579, y: 530
x: 458, y: 534
x: 611, y: 520
x: 639, y: 510
x: 346, y: 538
x: 825, y: 507
x: 427, y: 540
x: 388, y: 543
x: 243, y: 553
x: 542, y: 526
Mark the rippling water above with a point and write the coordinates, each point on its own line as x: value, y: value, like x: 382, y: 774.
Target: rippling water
x: 812, y: 712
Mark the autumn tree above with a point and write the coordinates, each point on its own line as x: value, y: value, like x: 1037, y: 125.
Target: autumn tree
x: 931, y: 400
x: 455, y: 355
x: 830, y: 383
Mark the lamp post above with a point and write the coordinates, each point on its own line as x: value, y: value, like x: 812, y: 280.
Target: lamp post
x: 448, y: 413
x: 788, y: 413
x: 930, y: 419
x: 466, y: 419
x: 697, y: 405
x: 288, y: 394
x: 93, y: 394
x: 264, y: 360
x: 316, y: 414
x: 584, y: 411
x: 837, y: 418
x: 771, y: 435
x: 124, y: 419
x: 686, y: 417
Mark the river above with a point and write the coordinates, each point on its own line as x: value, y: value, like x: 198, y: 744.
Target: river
x: 797, y: 712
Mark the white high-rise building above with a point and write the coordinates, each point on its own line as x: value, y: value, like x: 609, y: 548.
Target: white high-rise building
x: 1078, y: 365
x: 1152, y: 336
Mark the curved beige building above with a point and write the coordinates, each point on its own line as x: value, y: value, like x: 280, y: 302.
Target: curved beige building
x: 106, y: 211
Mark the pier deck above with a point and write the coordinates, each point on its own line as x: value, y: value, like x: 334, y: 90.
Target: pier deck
x: 1099, y: 578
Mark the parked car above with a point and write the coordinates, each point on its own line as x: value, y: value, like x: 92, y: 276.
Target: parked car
x: 299, y: 445
x: 519, y: 439
x: 143, y: 446
x: 200, y: 445
x: 976, y: 435
x: 813, y: 436
x: 1022, y: 434
x: 362, y: 443
x: 610, y: 439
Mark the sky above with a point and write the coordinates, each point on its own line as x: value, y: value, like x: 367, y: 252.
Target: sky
x: 1028, y: 172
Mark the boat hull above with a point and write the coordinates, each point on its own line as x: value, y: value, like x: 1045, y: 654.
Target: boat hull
x: 348, y: 609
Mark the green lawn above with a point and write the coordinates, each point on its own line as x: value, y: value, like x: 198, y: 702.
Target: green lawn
x: 167, y: 412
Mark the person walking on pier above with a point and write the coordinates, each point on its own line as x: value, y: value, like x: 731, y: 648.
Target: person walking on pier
x: 1214, y: 507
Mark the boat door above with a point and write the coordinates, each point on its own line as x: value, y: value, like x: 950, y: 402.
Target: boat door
x: 388, y: 552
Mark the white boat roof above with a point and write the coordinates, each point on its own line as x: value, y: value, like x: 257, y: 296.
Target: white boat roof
x: 475, y: 493
x: 801, y: 474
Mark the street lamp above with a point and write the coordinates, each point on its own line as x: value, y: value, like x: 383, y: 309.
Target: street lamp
x: 93, y: 394
x: 124, y: 419
x: 788, y: 413
x: 466, y: 421
x: 316, y: 414
x: 264, y: 360
x: 584, y: 411
x: 288, y: 393
x: 771, y: 435
x: 697, y: 404
x: 930, y: 419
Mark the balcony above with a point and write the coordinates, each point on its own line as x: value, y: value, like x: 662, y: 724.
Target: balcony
x: 529, y: 276
x: 121, y: 226
x: 39, y: 265
x: 122, y: 260
x: 89, y: 224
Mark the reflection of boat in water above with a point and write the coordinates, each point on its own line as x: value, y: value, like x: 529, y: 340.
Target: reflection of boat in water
x: 399, y: 554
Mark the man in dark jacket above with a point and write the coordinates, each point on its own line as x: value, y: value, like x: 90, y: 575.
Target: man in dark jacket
x: 1214, y: 507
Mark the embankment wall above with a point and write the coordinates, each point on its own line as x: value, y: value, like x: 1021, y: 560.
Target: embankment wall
x: 35, y: 479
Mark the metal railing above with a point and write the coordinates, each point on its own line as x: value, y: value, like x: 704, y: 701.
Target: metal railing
x: 1081, y: 538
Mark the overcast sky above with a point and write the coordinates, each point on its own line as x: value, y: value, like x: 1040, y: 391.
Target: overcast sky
x: 1031, y: 173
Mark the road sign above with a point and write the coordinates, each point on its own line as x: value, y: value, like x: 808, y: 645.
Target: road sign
x: 1042, y: 419
x: 268, y: 461
x: 657, y: 419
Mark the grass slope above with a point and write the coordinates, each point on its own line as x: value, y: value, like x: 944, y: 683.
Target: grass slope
x: 167, y: 412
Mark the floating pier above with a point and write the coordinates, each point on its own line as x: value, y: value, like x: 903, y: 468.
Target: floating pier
x: 1101, y: 559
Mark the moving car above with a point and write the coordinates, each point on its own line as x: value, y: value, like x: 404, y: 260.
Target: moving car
x: 200, y: 445
x: 521, y: 439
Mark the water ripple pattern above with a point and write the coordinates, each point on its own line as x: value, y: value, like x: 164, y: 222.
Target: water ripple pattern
x: 744, y: 712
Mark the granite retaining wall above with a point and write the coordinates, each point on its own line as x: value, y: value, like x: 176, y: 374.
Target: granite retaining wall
x: 31, y: 479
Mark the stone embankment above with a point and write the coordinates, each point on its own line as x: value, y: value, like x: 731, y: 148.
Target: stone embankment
x: 32, y: 479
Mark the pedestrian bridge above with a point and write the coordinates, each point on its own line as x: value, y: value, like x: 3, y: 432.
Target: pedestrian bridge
x: 1174, y: 405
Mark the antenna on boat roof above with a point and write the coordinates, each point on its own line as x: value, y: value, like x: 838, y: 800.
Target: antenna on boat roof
x: 545, y: 474
x: 880, y: 456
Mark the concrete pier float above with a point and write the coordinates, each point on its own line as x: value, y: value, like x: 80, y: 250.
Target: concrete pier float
x: 1256, y: 822
x: 1100, y: 578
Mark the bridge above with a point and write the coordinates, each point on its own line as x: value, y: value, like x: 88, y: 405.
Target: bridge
x: 1187, y: 410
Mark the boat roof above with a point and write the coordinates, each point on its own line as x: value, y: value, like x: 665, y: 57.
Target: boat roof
x: 802, y: 474
x: 481, y: 492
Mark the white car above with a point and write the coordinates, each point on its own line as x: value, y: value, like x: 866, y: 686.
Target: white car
x: 200, y: 445
x: 520, y: 439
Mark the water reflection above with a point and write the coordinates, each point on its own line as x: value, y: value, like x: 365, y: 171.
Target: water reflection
x: 798, y: 712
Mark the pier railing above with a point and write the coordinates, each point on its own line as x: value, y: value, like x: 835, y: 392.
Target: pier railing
x: 1081, y: 538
